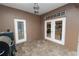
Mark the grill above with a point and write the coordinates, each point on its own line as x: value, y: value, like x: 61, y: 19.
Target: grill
x: 7, y: 44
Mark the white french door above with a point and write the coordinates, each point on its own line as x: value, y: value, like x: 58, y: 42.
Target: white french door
x: 48, y: 28
x: 55, y: 30
x: 20, y: 30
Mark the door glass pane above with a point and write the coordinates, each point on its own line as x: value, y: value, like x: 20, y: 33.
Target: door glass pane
x: 20, y: 30
x: 48, y: 29
x: 58, y: 30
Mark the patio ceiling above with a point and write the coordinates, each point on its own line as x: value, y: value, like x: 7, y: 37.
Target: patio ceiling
x: 28, y: 7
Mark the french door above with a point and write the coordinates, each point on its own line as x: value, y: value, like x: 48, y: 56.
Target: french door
x: 55, y: 30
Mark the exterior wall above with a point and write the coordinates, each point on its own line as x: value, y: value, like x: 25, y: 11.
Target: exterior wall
x: 7, y: 16
x: 71, y: 25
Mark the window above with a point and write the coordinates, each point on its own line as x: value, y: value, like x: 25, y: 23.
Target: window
x: 20, y: 30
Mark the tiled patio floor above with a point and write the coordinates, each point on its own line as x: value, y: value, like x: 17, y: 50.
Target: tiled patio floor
x: 42, y: 48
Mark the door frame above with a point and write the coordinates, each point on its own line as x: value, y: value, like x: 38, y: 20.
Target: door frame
x: 17, y: 41
x: 53, y: 30
x: 62, y: 42
x: 78, y: 45
x: 45, y: 29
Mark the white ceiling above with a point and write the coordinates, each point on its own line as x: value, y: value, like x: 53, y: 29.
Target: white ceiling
x: 44, y: 7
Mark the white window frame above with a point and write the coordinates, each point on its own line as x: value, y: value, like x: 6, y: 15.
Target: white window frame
x: 62, y: 42
x: 17, y: 41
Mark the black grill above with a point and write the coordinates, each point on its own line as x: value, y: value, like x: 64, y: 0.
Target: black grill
x: 5, y: 48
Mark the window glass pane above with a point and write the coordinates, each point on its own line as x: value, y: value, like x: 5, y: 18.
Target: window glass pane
x: 58, y: 30
x: 48, y: 29
x: 20, y: 30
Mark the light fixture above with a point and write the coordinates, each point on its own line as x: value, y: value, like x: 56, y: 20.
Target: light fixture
x: 36, y: 8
